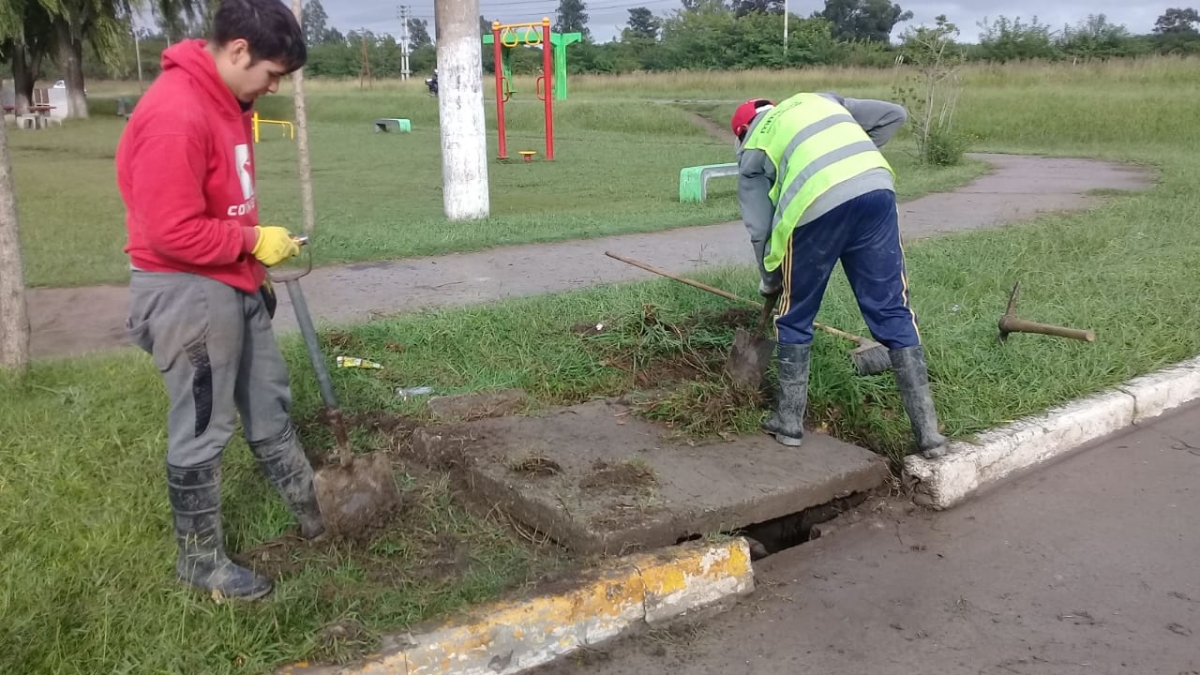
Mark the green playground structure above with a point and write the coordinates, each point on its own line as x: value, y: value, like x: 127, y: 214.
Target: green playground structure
x: 516, y: 35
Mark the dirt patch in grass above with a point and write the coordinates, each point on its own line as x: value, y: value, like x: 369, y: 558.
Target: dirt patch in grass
x: 341, y: 340
x: 402, y: 551
x: 677, y: 368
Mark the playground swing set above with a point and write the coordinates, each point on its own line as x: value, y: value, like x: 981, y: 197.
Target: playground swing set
x: 503, y: 39
x: 553, y: 78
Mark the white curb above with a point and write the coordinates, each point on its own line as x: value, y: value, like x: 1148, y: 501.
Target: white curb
x: 971, y: 466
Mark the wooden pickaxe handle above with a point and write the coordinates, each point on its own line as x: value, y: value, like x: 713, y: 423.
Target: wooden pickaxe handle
x: 1011, y: 324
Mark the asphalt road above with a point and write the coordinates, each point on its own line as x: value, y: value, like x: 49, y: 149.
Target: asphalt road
x: 1091, y: 565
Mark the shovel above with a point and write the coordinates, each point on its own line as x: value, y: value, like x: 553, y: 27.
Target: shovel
x: 353, y: 491
x: 869, y: 358
x: 751, y: 354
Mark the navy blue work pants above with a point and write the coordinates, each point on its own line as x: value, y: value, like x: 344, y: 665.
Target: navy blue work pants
x: 864, y: 234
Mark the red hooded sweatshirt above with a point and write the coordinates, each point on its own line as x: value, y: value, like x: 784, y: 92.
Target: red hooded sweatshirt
x: 185, y: 168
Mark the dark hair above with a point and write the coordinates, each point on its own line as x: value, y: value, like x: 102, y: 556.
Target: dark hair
x: 268, y: 26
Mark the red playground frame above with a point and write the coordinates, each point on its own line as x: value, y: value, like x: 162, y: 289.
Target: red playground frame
x: 510, y: 35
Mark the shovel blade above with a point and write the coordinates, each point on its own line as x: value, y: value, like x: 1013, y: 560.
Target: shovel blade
x: 749, y: 359
x: 357, y: 497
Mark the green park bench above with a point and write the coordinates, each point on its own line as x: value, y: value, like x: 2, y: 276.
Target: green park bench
x: 693, y: 180
x: 402, y: 124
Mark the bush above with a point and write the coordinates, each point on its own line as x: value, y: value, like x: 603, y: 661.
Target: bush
x: 943, y: 147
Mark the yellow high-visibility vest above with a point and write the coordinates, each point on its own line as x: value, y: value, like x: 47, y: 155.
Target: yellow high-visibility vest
x: 814, y: 144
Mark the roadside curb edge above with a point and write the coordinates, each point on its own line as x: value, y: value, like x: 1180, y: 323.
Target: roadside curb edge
x: 972, y: 466
x: 513, y: 636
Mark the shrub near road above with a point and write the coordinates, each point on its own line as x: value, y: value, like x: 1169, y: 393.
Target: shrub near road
x: 85, y: 542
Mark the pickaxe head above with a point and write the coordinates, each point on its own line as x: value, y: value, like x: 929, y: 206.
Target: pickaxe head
x: 1010, y: 312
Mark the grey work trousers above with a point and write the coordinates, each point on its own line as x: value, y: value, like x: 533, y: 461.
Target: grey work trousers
x: 216, y: 350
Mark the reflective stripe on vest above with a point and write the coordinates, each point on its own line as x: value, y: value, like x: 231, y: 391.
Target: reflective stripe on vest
x: 814, y: 144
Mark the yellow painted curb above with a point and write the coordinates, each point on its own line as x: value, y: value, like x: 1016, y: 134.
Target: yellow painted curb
x: 516, y: 635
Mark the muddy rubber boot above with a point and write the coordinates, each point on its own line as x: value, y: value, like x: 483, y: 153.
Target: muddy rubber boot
x: 195, y: 496
x: 912, y: 378
x: 282, y: 460
x: 786, y: 424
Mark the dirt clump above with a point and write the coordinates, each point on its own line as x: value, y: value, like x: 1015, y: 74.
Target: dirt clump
x: 623, y: 476
x: 535, y: 465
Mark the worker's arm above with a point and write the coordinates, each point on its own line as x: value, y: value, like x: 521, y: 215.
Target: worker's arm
x: 756, y: 175
x: 880, y: 119
x: 167, y: 173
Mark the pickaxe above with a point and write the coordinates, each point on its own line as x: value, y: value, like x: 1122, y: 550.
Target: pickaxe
x: 1009, y: 323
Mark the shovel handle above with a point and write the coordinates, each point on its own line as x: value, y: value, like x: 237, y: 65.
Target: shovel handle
x: 704, y: 287
x: 324, y: 382
x: 724, y: 294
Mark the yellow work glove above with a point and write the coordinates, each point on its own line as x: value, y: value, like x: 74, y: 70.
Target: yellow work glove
x: 275, y: 244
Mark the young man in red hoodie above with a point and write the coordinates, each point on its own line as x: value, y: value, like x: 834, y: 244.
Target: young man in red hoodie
x: 198, y: 305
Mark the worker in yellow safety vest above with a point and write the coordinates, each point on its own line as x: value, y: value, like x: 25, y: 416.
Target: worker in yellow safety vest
x: 814, y: 189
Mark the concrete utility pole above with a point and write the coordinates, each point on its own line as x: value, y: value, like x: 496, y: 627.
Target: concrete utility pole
x: 14, y: 313
x: 405, y: 48
x: 460, y: 108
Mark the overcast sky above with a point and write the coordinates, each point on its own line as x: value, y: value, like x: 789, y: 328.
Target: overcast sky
x: 607, y: 17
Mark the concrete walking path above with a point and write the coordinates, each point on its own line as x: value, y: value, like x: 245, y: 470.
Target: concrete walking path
x: 69, y: 321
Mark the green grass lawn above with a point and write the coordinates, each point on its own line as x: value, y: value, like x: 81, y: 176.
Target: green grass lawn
x: 86, y: 547
x: 378, y: 196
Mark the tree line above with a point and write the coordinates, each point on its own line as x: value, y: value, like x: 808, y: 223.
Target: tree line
x: 83, y: 39
x: 742, y: 34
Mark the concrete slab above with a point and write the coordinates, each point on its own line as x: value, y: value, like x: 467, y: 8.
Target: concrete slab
x: 598, y: 479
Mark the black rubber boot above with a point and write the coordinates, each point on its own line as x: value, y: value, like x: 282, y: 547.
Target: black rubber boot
x: 912, y: 378
x: 786, y: 424
x: 283, y: 461
x: 195, y: 496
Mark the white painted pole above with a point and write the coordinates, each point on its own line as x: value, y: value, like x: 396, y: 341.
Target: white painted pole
x: 308, y: 210
x: 14, y: 312
x: 786, y: 13
x: 460, y: 110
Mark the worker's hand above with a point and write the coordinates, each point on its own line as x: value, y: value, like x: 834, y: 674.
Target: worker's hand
x: 275, y: 244
x: 771, y: 284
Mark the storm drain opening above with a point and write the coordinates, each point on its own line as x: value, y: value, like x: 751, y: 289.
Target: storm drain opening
x: 779, y: 534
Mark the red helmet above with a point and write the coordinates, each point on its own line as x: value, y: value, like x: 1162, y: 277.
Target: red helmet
x: 744, y: 115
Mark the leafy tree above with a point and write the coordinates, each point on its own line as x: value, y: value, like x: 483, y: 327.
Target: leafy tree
x: 27, y: 37
x: 1095, y: 37
x: 643, y: 24
x: 572, y: 18
x: 315, y: 21
x: 102, y: 23
x: 744, y: 7
x: 1006, y: 40
x: 1178, y: 21
x: 418, y: 33
x: 1175, y: 32
x: 871, y: 20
